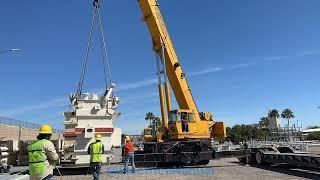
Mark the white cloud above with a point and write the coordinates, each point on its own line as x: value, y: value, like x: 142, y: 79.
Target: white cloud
x: 43, y: 105
x: 133, y: 97
x: 302, y: 54
x: 64, y: 101
x: 206, y: 71
x: 128, y: 86
x: 274, y: 58
x: 60, y: 102
x: 308, y: 53
x: 135, y: 85
x: 241, y: 65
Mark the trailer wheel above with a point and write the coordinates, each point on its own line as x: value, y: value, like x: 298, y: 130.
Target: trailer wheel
x: 259, y: 157
x: 204, y: 162
x: 247, y: 158
x: 7, y: 169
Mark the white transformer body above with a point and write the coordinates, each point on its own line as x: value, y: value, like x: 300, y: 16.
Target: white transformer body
x: 91, y: 114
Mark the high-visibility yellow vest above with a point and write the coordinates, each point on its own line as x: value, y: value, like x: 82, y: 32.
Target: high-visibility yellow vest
x: 37, y: 157
x: 96, y: 152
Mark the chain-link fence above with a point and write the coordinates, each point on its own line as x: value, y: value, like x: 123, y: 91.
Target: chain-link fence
x: 23, y: 124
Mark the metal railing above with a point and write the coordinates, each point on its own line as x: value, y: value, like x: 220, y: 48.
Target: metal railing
x: 298, y: 145
x: 23, y: 124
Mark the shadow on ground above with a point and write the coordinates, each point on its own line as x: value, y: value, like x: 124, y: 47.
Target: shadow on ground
x: 304, y: 172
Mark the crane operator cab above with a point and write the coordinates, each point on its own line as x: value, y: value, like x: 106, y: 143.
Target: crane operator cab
x: 185, y: 124
x: 181, y: 122
x: 148, y: 134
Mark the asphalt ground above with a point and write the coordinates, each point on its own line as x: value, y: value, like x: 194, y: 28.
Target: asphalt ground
x: 228, y: 168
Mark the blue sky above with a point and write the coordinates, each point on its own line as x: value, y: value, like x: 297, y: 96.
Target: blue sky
x: 241, y: 58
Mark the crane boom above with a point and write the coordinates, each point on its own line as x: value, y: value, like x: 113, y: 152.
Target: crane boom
x: 161, y: 37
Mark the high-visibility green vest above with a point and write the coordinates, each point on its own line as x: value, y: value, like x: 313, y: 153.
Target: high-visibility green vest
x: 37, y: 157
x: 96, y: 152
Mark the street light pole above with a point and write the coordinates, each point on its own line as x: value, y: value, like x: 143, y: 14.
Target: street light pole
x: 10, y: 50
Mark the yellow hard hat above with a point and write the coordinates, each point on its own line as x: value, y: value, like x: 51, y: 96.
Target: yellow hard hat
x: 98, y: 137
x: 127, y: 138
x: 45, y: 129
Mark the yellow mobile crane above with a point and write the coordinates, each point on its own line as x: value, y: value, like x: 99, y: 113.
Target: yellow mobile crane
x: 186, y: 135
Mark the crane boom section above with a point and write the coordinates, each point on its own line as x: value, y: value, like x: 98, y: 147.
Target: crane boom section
x: 160, y: 37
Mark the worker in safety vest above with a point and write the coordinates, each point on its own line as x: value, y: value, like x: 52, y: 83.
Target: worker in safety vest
x: 129, y: 155
x: 42, y: 155
x: 96, y: 150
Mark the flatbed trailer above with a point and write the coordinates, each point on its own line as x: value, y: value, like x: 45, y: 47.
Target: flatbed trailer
x: 281, y: 155
x: 183, y: 153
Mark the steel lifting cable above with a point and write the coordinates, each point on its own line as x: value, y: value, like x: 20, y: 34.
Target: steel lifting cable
x: 105, y: 59
x: 158, y: 68
x: 85, y: 62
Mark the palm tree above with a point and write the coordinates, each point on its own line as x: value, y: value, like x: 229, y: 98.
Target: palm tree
x: 264, y: 125
x: 287, y: 114
x: 264, y: 122
x: 274, y: 114
x: 149, y: 117
x: 158, y: 123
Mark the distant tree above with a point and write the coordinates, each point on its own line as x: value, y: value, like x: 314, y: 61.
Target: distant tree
x: 158, y: 124
x: 264, y: 122
x: 155, y: 122
x: 274, y: 113
x: 239, y: 133
x: 258, y: 134
x: 228, y: 131
x: 264, y: 126
x: 313, y: 136
x: 313, y: 127
x: 149, y: 117
x: 233, y: 134
x: 287, y: 114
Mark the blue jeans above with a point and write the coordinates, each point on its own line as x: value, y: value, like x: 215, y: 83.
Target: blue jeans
x: 129, y: 158
x: 95, y: 169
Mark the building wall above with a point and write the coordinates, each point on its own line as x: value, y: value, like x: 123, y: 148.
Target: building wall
x: 274, y: 123
x: 12, y: 133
